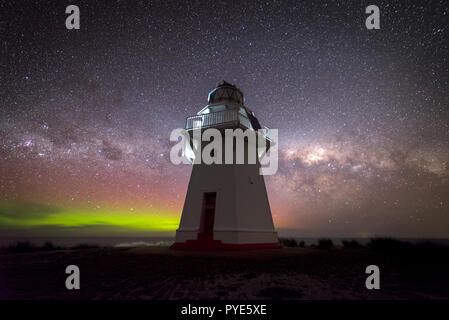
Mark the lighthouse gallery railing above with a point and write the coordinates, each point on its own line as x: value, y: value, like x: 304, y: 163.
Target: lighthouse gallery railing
x: 211, y: 119
x: 220, y: 117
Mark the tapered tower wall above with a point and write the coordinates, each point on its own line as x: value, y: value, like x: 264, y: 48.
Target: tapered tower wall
x: 242, y: 210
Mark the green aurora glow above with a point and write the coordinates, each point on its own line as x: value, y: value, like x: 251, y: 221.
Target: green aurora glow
x: 28, y: 216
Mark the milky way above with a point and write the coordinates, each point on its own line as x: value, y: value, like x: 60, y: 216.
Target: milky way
x: 363, y: 115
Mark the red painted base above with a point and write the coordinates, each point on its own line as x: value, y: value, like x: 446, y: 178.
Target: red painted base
x: 217, y: 245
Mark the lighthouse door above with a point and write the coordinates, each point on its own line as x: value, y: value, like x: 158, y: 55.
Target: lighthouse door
x: 207, y: 216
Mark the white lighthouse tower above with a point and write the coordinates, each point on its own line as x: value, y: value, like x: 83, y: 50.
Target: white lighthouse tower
x: 226, y: 205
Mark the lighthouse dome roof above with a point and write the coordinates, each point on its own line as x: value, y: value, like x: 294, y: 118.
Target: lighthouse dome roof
x: 226, y: 92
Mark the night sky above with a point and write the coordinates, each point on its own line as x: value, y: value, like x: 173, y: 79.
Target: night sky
x: 363, y: 115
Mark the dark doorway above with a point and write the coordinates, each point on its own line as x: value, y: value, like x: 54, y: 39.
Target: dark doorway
x: 207, y: 216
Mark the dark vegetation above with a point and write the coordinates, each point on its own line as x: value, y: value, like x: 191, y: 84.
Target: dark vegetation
x: 325, y: 244
x: 320, y: 271
x: 291, y: 242
x: 352, y: 244
x: 26, y: 246
x: 288, y: 242
x: 386, y: 245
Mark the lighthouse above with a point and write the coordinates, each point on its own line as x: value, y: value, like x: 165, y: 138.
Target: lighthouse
x: 226, y: 205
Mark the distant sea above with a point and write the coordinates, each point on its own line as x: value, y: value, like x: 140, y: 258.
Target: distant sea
x: 166, y: 241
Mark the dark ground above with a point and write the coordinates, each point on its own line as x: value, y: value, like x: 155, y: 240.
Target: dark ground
x: 289, y: 273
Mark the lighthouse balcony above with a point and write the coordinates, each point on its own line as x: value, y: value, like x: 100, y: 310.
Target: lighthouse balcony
x: 224, y: 118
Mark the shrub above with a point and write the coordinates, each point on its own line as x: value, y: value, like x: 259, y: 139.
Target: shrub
x: 48, y: 246
x: 302, y: 244
x: 325, y: 244
x: 351, y: 244
x: 26, y: 246
x: 21, y: 247
x: 288, y: 242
